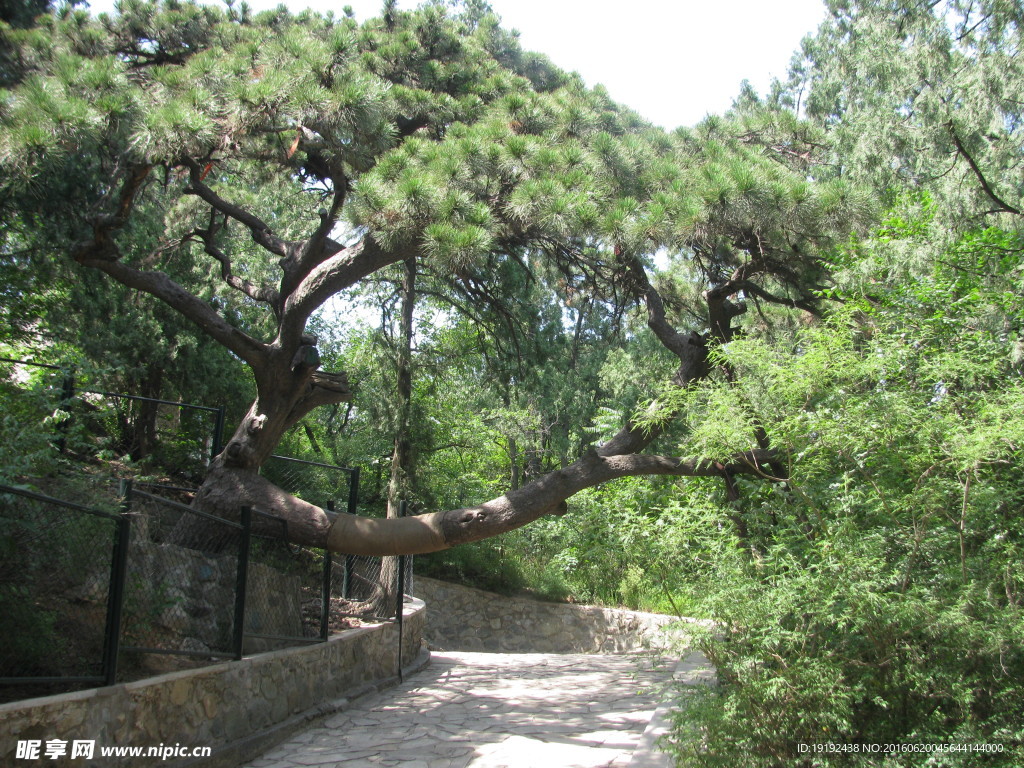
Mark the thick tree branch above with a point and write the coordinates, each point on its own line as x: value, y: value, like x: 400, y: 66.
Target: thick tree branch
x: 195, y: 309
x: 104, y: 225
x: 962, y: 150
x: 319, y: 246
x: 261, y: 233
x: 339, y: 193
x: 749, y: 463
x: 721, y: 311
x: 690, y: 349
x: 441, y: 530
x: 323, y: 389
x: 342, y: 270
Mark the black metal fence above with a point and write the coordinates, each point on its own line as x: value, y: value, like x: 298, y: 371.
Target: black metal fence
x: 60, y: 570
x: 92, y: 596
x: 180, y: 437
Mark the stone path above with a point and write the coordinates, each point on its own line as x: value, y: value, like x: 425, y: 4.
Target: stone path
x: 485, y: 710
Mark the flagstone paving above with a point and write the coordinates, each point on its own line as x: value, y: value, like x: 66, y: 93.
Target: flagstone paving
x: 483, y: 710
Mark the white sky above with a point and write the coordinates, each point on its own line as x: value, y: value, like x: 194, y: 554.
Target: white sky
x: 673, y: 61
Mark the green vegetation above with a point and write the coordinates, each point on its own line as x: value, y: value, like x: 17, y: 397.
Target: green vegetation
x: 878, y: 599
x: 794, y: 333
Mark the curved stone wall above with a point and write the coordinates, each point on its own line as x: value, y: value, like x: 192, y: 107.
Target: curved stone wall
x: 466, y: 619
x: 236, y: 708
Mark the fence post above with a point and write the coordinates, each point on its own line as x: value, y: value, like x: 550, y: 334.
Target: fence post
x: 353, y: 490
x: 115, y: 590
x: 241, y: 579
x: 400, y: 600
x: 325, y: 589
x: 353, y: 501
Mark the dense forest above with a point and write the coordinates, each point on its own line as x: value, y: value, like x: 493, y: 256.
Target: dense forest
x: 765, y: 370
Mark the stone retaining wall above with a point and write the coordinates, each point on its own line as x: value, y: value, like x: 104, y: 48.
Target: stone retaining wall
x: 466, y: 619
x: 236, y: 707
x: 190, y: 605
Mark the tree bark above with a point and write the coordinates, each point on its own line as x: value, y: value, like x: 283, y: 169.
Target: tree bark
x: 143, y: 431
x: 402, y: 459
x: 402, y: 455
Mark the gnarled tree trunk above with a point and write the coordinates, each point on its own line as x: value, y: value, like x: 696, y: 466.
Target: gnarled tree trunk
x: 234, y: 481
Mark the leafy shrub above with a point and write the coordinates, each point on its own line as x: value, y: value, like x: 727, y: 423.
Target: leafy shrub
x: 877, y: 596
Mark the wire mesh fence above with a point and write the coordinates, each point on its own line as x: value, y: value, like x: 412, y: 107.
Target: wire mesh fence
x: 361, y: 588
x: 329, y: 485
x: 91, y: 596
x: 179, y: 438
x: 179, y: 600
x: 32, y: 424
x: 288, y: 589
x: 59, y: 563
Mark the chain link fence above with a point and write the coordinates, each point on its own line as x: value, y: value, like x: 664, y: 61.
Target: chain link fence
x: 288, y: 591
x: 327, y: 485
x: 95, y: 596
x: 58, y: 562
x: 177, y: 600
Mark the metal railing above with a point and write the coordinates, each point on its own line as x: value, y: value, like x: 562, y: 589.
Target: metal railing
x: 192, y: 442
x: 127, y: 590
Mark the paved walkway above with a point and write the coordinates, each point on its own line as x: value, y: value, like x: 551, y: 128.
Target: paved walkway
x: 483, y: 710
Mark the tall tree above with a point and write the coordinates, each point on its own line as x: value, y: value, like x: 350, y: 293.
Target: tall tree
x: 402, y: 454
x: 921, y: 93
x: 256, y: 139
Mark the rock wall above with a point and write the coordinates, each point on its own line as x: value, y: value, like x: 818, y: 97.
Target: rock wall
x: 467, y: 619
x: 181, y: 598
x: 184, y: 599
x: 236, y: 708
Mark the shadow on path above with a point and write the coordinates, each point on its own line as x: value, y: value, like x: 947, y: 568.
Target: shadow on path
x: 490, y: 710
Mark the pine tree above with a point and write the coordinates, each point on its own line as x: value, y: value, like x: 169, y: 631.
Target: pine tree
x: 297, y: 155
x: 921, y: 94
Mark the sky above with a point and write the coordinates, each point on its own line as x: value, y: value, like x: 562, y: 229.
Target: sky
x: 673, y: 61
